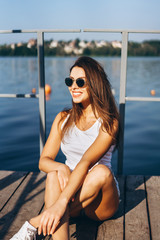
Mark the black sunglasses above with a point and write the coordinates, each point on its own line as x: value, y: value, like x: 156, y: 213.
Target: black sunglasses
x: 79, y: 81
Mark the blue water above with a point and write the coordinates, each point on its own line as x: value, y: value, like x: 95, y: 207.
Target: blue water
x: 19, y: 118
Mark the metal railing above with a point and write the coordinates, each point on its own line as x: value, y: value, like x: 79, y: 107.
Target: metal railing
x: 123, y: 78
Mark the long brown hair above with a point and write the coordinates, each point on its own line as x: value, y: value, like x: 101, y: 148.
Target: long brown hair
x: 101, y: 98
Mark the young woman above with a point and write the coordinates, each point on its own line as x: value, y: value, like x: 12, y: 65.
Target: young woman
x: 87, y: 134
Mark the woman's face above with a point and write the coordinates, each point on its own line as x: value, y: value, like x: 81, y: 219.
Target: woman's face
x: 79, y: 94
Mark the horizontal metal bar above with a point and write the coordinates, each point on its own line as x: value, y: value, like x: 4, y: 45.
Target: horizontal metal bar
x: 147, y: 99
x: 78, y: 31
x: 19, y: 95
x: 42, y: 30
x: 121, y: 30
x: 104, y: 30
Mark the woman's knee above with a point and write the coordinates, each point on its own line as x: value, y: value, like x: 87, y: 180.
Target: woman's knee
x: 51, y: 177
x: 66, y: 169
x: 101, y: 174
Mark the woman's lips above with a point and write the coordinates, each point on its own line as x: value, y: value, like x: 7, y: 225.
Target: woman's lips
x: 76, y: 94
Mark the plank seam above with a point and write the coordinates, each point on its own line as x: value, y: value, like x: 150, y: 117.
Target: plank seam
x: 14, y: 191
x: 41, y: 209
x: 147, y: 206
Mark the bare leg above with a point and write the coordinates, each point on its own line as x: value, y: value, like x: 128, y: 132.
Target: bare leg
x: 52, y: 192
x: 98, y: 195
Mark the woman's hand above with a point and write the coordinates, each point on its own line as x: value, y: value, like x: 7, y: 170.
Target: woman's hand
x: 63, y: 176
x: 51, y: 217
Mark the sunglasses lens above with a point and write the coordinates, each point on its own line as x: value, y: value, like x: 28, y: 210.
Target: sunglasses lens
x: 68, y: 82
x: 80, y: 82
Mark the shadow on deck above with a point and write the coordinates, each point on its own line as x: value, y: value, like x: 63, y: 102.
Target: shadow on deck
x: 22, y: 193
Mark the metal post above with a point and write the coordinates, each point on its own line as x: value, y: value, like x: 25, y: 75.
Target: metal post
x: 42, y: 102
x: 122, y: 99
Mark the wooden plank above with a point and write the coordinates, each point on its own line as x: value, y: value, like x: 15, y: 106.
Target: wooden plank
x: 113, y: 228
x: 9, y: 181
x: 27, y: 201
x: 4, y: 174
x: 24, y: 204
x: 136, y: 218
x: 153, y: 196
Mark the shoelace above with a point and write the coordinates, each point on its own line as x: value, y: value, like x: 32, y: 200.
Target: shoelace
x: 31, y: 233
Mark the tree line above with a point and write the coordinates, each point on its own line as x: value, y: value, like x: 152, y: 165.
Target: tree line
x: 146, y: 48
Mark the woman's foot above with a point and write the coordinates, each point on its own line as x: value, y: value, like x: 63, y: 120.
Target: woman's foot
x: 26, y: 232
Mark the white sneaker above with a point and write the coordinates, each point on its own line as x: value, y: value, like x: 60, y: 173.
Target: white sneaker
x: 26, y: 232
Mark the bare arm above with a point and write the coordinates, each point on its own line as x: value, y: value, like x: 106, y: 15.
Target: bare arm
x: 51, y: 148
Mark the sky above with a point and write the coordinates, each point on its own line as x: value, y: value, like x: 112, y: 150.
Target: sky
x: 79, y: 14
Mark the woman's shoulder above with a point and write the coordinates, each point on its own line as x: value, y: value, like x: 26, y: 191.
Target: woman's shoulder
x: 58, y: 117
x: 61, y: 117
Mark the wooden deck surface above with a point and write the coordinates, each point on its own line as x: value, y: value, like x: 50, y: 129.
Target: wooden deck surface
x: 22, y: 193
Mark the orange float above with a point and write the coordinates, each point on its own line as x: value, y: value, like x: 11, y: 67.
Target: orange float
x: 34, y: 90
x: 153, y: 92
x: 48, y: 89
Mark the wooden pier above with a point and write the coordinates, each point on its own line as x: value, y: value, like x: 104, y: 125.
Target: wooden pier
x: 22, y: 194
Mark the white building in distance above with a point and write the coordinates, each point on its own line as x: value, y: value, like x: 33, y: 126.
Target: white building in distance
x: 116, y: 44
x: 31, y: 43
x: 53, y: 44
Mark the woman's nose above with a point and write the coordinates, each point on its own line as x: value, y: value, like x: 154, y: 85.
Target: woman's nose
x: 74, y: 85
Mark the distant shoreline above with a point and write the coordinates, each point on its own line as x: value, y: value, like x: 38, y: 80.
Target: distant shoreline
x: 78, y: 47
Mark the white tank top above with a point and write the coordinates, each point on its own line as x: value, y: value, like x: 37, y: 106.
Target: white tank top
x: 76, y: 142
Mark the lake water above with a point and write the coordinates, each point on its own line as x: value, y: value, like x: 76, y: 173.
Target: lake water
x: 19, y: 118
